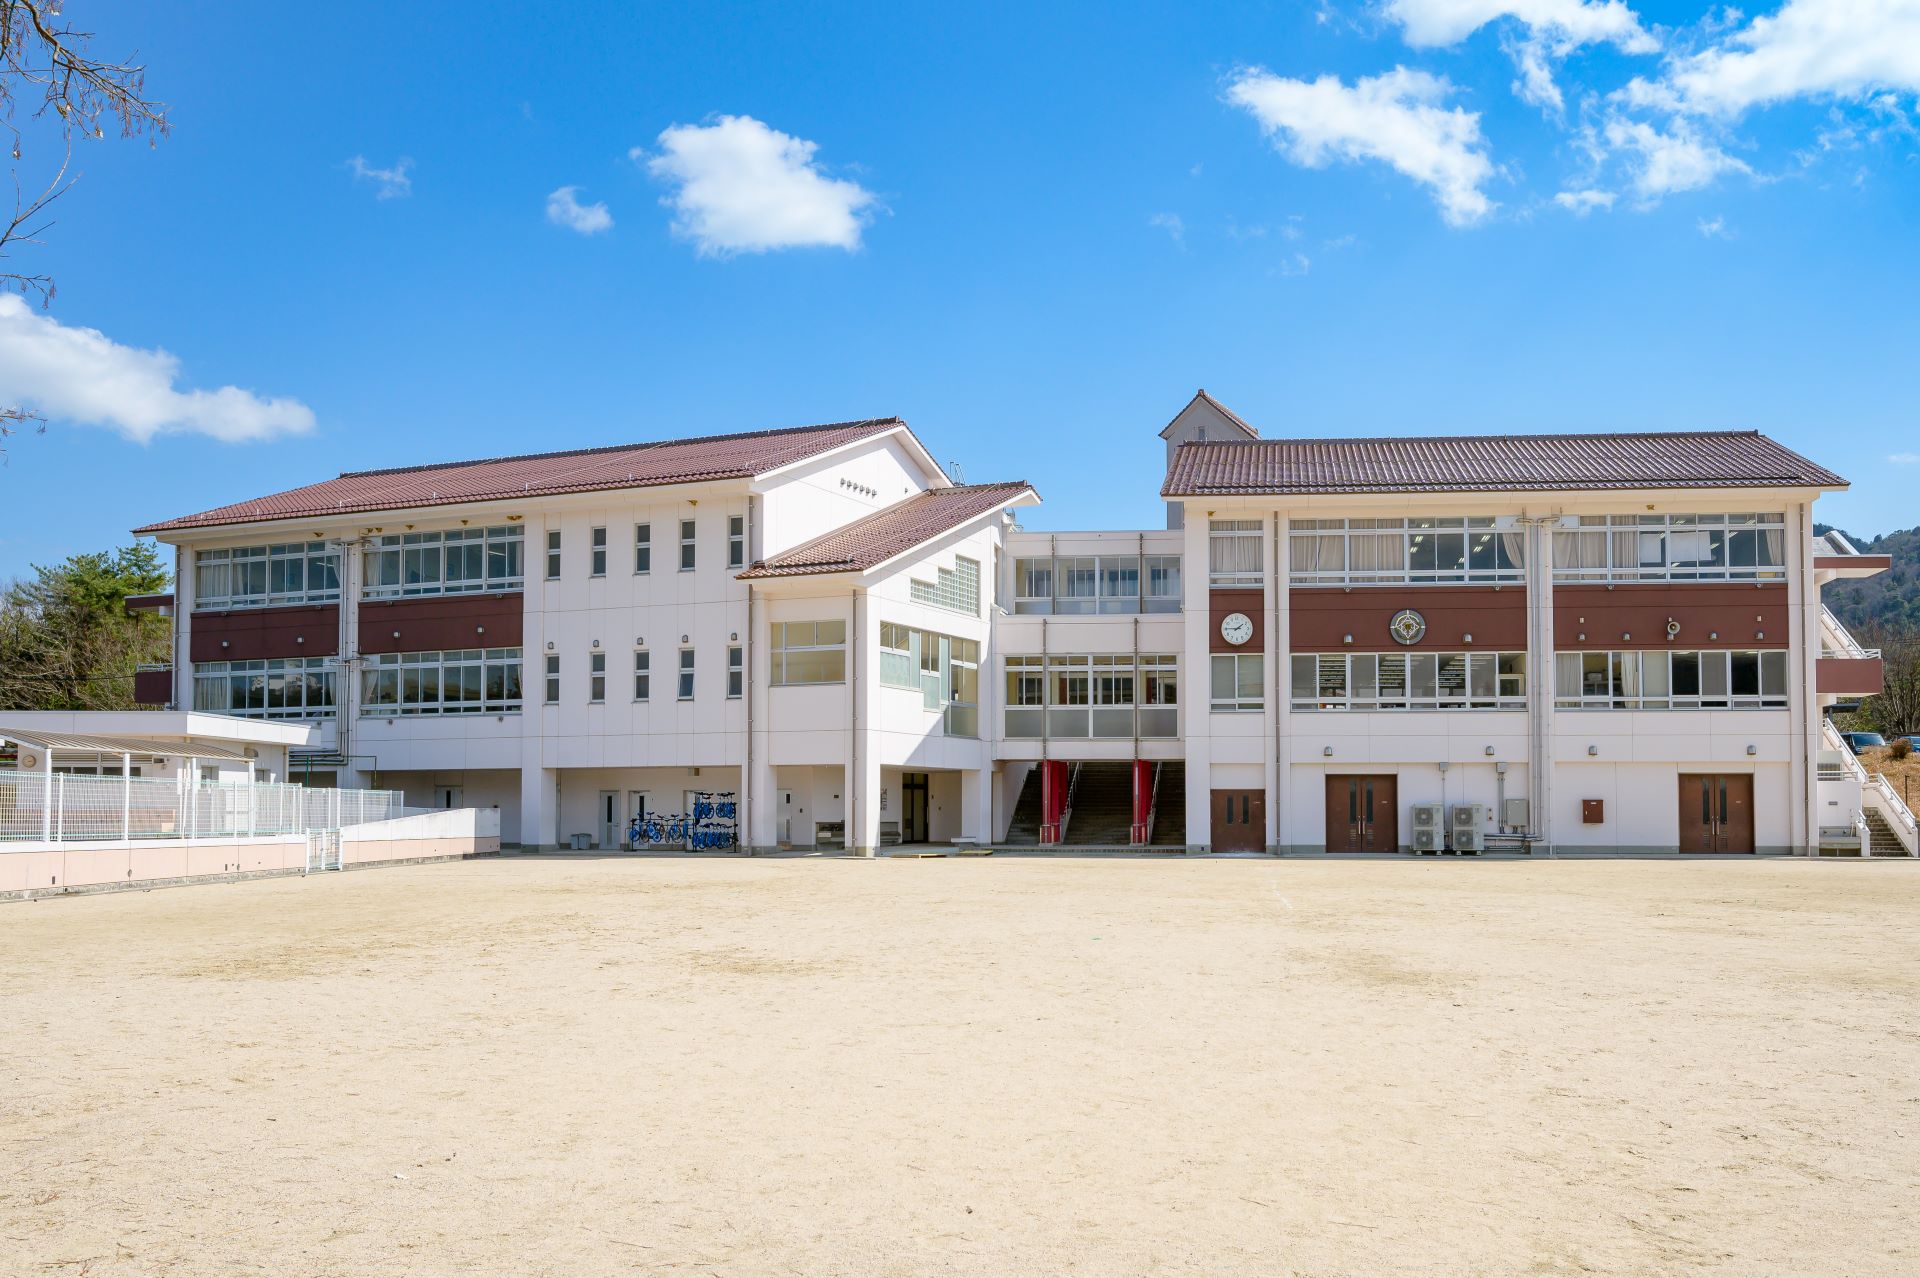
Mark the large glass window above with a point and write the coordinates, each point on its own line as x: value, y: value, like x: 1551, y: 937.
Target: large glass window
x: 289, y: 688
x: 1669, y: 680
x: 809, y: 652
x: 1233, y: 552
x: 470, y: 681
x: 1410, y: 681
x: 457, y: 561
x: 943, y: 669
x: 1238, y: 682
x: 265, y: 576
x: 1398, y: 551
x: 1103, y: 695
x: 1082, y: 584
x: 1741, y: 547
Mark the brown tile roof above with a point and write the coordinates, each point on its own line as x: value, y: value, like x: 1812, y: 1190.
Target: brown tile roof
x: 1491, y: 463
x: 667, y: 461
x: 872, y: 540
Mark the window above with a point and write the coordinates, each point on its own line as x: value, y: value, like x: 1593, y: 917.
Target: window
x: 686, y: 545
x: 642, y: 548
x: 1669, y: 680
x: 1237, y: 682
x: 736, y: 672
x: 1233, y: 552
x: 597, y: 544
x: 553, y: 555
x: 686, y: 674
x: 807, y: 652
x: 596, y: 677
x: 1360, y: 552
x: 956, y: 589
x: 553, y: 678
x: 736, y: 541
x: 263, y: 576
x: 1077, y: 585
x: 289, y: 688
x: 1410, y: 681
x: 642, y: 674
x: 470, y: 681
x: 1748, y: 547
x: 1105, y: 696
x: 457, y: 561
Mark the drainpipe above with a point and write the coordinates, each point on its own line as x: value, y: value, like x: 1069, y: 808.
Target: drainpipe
x: 745, y: 824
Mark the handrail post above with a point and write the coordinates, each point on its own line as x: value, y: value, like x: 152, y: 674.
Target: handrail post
x: 126, y: 797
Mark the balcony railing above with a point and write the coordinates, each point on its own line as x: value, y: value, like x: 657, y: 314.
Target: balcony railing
x: 1102, y: 723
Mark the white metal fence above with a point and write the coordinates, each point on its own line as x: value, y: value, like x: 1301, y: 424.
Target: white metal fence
x: 65, y: 809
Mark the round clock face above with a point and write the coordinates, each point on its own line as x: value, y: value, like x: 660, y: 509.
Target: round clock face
x: 1236, y: 628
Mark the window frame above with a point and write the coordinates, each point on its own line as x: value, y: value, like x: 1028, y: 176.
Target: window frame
x: 553, y: 554
x: 1237, y: 701
x: 552, y: 677
x: 314, y: 557
x: 642, y: 549
x: 400, y: 671
x: 642, y: 676
x: 685, y: 688
x: 597, y: 677
x: 314, y: 673
x: 689, y: 545
x: 736, y: 541
x: 597, y: 552
x: 782, y: 647
x: 736, y: 672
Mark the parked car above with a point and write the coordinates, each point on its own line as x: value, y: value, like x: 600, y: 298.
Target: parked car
x: 1858, y: 741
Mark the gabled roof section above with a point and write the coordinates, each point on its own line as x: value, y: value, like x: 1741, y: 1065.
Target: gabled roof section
x: 872, y: 540
x: 1201, y: 397
x: 1492, y: 463
x: 668, y: 461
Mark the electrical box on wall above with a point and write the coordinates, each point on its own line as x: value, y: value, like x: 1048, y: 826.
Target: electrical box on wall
x: 1593, y: 811
x: 1513, y: 814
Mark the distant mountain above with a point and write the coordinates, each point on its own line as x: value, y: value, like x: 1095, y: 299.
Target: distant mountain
x: 1892, y: 599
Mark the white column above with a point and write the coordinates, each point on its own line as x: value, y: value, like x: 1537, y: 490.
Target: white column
x: 46, y: 805
x: 1281, y: 644
x: 346, y: 679
x: 126, y: 796
x: 1540, y: 679
x: 976, y: 804
x: 1803, y: 700
x: 183, y: 585
x: 539, y: 808
x: 863, y: 757
x: 1196, y: 678
x: 539, y: 815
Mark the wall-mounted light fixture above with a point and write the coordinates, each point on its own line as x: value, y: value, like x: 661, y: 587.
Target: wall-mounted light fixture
x: 683, y: 638
x: 1593, y: 749
x: 1327, y: 751
x: 1489, y: 752
x: 1466, y: 638
x: 549, y: 645
x: 1751, y: 749
x: 735, y: 635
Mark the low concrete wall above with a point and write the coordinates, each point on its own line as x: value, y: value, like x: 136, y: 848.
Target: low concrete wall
x: 39, y: 869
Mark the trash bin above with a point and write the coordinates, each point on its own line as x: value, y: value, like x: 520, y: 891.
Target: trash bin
x: 581, y: 842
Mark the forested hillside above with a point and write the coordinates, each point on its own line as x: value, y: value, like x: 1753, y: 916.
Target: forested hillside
x: 1890, y: 601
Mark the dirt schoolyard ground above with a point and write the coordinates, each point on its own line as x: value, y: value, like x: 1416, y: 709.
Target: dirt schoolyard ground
x: 1007, y: 1066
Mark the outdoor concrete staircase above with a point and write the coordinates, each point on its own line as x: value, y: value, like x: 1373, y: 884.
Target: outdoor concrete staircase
x: 1024, y: 830
x: 1102, y: 814
x: 1884, y: 841
x: 1170, y: 807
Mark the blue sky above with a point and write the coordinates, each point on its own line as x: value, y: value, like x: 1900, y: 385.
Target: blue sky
x: 1032, y: 235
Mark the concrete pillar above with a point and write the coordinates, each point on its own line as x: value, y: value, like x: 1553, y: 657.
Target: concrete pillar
x: 1280, y: 704
x: 863, y: 759
x: 346, y: 680
x: 1803, y: 701
x: 976, y: 805
x: 539, y: 808
x: 1540, y: 679
x: 183, y: 587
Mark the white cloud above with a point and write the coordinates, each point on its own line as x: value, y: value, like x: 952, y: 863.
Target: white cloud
x: 1714, y: 228
x: 81, y: 375
x: 390, y: 183
x: 1430, y: 23
x: 1172, y: 225
x: 1394, y: 118
x: 1903, y: 459
x: 1552, y: 30
x: 1586, y: 201
x: 1838, y: 48
x: 563, y: 209
x: 746, y: 188
x: 1679, y: 160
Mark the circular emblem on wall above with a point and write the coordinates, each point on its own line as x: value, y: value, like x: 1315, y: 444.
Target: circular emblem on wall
x: 1408, y: 626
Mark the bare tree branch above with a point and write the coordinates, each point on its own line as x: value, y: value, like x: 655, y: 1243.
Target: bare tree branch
x: 49, y: 79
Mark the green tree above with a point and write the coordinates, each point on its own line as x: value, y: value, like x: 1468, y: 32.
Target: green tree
x: 67, y: 639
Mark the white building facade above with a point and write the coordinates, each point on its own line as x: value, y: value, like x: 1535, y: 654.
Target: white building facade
x: 813, y: 638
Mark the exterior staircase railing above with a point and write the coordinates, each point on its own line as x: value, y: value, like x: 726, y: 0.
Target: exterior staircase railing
x: 1066, y: 811
x: 1882, y: 797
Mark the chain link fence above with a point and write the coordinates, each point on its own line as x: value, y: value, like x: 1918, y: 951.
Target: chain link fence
x: 64, y: 809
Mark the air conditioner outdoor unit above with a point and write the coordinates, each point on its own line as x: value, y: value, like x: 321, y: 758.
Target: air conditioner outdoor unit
x: 1469, y: 827
x: 1428, y: 834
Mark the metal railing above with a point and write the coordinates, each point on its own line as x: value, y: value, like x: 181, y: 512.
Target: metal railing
x: 1881, y: 797
x: 35, y: 806
x: 1843, y: 641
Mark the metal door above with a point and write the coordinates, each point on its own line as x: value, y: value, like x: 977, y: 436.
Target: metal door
x: 1716, y: 812
x: 913, y: 807
x: 1239, y: 821
x: 1363, y: 814
x: 613, y: 830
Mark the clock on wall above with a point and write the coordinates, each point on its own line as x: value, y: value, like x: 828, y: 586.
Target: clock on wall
x: 1236, y: 628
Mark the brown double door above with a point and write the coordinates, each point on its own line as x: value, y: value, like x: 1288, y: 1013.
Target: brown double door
x: 1716, y: 812
x: 1239, y: 821
x: 1363, y: 814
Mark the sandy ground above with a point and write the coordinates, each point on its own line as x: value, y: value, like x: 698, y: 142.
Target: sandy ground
x: 1006, y: 1066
